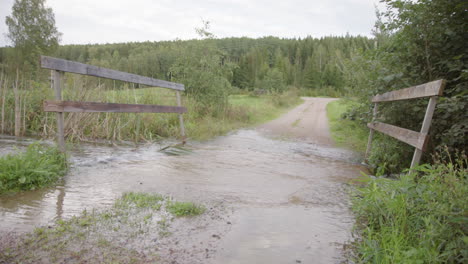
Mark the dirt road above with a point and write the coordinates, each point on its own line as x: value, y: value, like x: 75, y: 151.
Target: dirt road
x: 269, y: 200
x: 307, y: 122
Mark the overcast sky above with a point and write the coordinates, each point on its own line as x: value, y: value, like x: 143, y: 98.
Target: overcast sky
x: 110, y: 21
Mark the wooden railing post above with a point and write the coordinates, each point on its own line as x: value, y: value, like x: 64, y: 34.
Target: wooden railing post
x: 58, y: 96
x: 425, y: 129
x: 181, y: 118
x: 59, y: 66
x: 371, y: 134
x: 416, y: 139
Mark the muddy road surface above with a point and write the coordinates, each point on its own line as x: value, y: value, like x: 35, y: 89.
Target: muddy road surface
x: 281, y: 187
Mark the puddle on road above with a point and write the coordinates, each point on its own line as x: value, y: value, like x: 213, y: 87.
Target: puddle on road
x: 288, y: 197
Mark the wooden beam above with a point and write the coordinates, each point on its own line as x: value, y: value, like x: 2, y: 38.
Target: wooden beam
x: 86, y: 69
x: 425, y: 128
x: 181, y: 118
x: 415, y: 139
x: 434, y: 88
x: 95, y: 107
x: 371, y: 134
x: 60, y: 123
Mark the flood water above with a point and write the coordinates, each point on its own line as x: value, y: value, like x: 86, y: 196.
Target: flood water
x: 288, y: 197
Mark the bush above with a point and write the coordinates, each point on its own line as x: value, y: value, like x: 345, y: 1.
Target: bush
x: 419, y: 218
x: 38, y: 166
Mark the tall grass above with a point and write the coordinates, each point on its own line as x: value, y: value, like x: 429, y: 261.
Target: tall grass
x: 200, y: 121
x: 37, y: 167
x: 419, y: 218
x: 345, y: 132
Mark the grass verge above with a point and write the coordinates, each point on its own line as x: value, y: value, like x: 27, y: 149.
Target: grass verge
x: 346, y: 133
x: 36, y: 167
x: 136, y: 229
x: 419, y: 218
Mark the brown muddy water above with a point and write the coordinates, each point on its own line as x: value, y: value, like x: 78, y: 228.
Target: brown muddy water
x: 287, y: 199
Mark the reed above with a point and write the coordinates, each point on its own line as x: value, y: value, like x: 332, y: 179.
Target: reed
x: 202, y: 122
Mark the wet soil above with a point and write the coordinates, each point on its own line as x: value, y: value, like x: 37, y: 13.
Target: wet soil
x: 277, y: 193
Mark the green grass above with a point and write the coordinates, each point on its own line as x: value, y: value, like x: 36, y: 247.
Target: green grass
x: 201, y: 123
x: 140, y: 200
x: 181, y: 209
x: 346, y: 133
x: 34, y: 168
x: 419, y: 218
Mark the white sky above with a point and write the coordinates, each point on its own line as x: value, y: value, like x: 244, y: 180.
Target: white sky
x: 110, y: 21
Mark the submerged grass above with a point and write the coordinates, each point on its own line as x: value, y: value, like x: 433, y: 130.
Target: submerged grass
x: 421, y: 217
x: 140, y: 200
x: 36, y: 167
x: 132, y: 231
x: 346, y: 133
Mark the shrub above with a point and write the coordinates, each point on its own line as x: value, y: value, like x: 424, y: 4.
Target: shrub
x: 419, y: 218
x: 38, y: 166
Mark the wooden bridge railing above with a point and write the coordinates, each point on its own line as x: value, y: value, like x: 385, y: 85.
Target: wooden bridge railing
x: 413, y: 138
x: 58, y: 66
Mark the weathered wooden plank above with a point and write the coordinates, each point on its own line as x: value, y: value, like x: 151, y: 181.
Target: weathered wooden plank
x: 96, y: 107
x: 60, y: 123
x: 371, y: 133
x: 181, y: 118
x: 415, y: 139
x: 86, y: 69
x: 425, y: 128
x: 434, y: 88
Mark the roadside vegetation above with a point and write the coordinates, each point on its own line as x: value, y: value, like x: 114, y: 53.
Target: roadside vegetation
x: 38, y: 166
x: 421, y: 217
x: 416, y: 42
x: 136, y: 229
x: 345, y: 132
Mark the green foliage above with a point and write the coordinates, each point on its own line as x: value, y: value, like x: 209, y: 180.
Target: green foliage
x: 202, y: 68
x: 418, y: 41
x: 31, y: 29
x: 419, y: 218
x: 345, y: 132
x: 37, y: 167
x: 139, y: 200
x: 185, y: 209
x: 272, y: 82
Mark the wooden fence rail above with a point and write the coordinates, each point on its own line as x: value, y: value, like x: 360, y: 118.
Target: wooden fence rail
x: 413, y: 138
x: 58, y: 66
